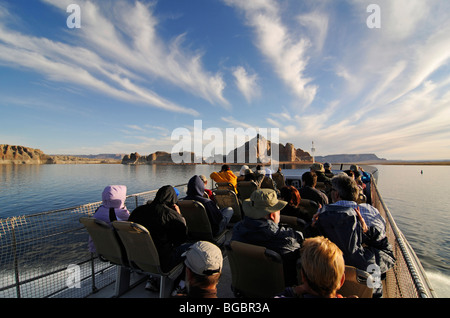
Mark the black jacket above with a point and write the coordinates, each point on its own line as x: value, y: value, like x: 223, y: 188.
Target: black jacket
x: 195, y: 190
x: 166, y: 226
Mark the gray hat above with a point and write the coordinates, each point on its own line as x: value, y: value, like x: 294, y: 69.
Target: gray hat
x: 261, y: 203
x: 204, y: 258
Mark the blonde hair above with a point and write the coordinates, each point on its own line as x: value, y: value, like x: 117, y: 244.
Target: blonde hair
x: 322, y: 265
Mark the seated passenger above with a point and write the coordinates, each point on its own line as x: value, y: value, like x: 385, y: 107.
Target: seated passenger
x: 219, y: 218
x: 260, y: 226
x: 225, y: 175
x: 322, y: 270
x: 309, y: 191
x: 167, y: 227
x: 242, y: 173
x: 204, y: 263
x: 113, y: 207
x: 320, y: 172
x: 328, y: 172
x: 291, y: 195
x: 365, y: 178
x: 208, y: 192
x: 362, y: 244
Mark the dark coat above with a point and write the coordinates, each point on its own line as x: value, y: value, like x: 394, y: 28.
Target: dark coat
x: 166, y: 226
x: 283, y: 240
x: 195, y: 190
x: 341, y: 226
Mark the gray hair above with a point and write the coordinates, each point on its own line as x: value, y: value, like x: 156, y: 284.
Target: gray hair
x: 346, y: 187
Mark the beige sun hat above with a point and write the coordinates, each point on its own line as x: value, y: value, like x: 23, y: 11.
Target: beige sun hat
x: 317, y: 166
x: 204, y: 258
x: 261, y: 203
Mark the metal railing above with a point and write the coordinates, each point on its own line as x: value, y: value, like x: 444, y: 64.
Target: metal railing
x: 407, y: 279
x: 38, y: 251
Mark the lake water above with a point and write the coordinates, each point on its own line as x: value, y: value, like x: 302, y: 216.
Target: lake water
x: 418, y: 201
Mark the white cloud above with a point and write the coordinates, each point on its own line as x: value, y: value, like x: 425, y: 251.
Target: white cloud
x: 117, y: 51
x: 247, y: 84
x: 286, y: 53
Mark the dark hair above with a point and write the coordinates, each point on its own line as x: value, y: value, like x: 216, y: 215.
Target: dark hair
x: 225, y: 168
x: 291, y: 195
x: 310, y: 178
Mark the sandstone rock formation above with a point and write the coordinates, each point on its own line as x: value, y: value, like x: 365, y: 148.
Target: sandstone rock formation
x: 21, y: 155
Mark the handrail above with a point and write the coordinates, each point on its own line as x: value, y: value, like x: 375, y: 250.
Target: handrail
x: 24, y: 241
x: 413, y: 264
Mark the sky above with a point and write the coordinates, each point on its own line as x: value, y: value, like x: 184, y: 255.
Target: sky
x: 351, y: 76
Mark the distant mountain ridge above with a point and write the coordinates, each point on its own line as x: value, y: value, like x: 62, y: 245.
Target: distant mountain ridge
x: 10, y: 154
x: 349, y: 158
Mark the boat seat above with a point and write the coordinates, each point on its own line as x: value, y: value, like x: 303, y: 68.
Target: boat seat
x: 198, y: 224
x: 279, y: 180
x: 143, y: 255
x: 245, y: 189
x: 107, y: 243
x: 256, y: 272
x: 268, y: 183
x: 227, y: 198
x: 224, y: 186
x: 294, y: 222
x: 110, y: 248
x: 309, y: 206
x: 356, y: 283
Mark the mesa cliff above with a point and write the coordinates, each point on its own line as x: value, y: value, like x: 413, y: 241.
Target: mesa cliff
x: 11, y: 154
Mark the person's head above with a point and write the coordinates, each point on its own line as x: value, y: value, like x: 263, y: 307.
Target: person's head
x: 350, y: 173
x: 317, y: 167
x: 327, y: 166
x: 166, y: 195
x: 291, y: 195
x: 322, y: 266
x: 225, y: 168
x: 196, y: 186
x: 344, y: 187
x: 203, y: 178
x: 309, y: 179
x: 243, y: 169
x: 204, y: 263
x: 263, y: 203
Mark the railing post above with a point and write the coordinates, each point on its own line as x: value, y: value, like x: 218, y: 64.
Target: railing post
x: 16, y: 261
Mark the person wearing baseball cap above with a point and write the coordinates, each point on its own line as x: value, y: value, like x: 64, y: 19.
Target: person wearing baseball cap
x: 260, y: 226
x: 204, y: 263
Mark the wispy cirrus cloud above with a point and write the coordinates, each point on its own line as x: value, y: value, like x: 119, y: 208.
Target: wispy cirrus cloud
x: 117, y: 52
x: 287, y: 52
x: 247, y: 83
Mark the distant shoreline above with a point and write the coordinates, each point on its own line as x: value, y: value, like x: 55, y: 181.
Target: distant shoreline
x: 111, y: 161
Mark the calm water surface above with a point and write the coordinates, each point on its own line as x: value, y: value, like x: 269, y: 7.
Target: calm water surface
x: 419, y: 202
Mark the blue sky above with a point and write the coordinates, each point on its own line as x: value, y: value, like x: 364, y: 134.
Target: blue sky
x: 137, y: 70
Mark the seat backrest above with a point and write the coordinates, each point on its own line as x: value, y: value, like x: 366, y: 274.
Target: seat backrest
x: 356, y: 283
x: 224, y: 186
x: 141, y: 250
x: 255, y: 270
x: 279, y: 179
x: 294, y: 222
x: 245, y: 189
x: 309, y: 206
x: 106, y: 241
x: 197, y: 220
x: 268, y: 183
x: 227, y: 198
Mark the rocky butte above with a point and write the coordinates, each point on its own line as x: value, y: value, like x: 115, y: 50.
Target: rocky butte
x: 25, y: 155
x: 263, y: 147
